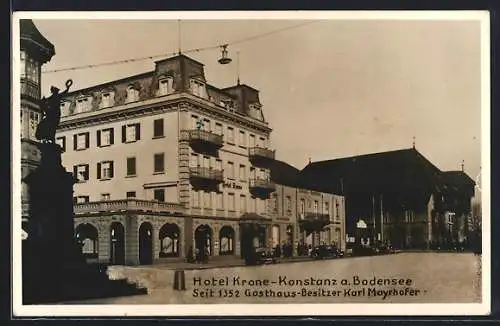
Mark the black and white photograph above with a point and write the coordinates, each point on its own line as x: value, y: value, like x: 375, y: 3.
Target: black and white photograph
x: 251, y: 163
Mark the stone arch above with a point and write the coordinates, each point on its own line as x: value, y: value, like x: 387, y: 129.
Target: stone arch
x: 203, y: 238
x: 146, y: 243
x: 170, y: 240
x: 226, y: 240
x: 87, y: 236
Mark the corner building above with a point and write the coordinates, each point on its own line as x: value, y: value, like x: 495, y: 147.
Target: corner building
x: 164, y: 163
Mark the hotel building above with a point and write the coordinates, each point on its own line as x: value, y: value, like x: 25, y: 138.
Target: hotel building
x: 166, y: 163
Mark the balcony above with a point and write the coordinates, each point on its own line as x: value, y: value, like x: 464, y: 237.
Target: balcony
x: 130, y: 204
x: 202, y: 177
x: 261, y: 187
x: 260, y: 156
x: 202, y: 140
x: 313, y: 222
x: 310, y: 216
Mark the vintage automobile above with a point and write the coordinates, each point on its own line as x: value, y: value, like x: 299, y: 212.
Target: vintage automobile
x: 260, y: 256
x: 326, y: 251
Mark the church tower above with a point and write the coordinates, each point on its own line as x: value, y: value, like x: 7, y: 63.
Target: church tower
x: 35, y: 51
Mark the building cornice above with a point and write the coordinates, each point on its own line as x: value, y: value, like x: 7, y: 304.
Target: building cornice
x: 168, y: 103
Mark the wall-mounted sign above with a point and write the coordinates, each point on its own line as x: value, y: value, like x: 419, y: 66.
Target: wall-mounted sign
x: 361, y: 224
x: 232, y: 184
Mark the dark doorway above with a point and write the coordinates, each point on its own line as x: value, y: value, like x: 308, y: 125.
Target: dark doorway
x: 252, y: 236
x: 146, y: 244
x: 117, y: 244
x: 203, y: 240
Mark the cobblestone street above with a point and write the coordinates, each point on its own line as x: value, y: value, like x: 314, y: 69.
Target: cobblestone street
x: 399, y: 278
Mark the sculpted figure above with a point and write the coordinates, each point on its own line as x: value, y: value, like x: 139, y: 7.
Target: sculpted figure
x: 51, y: 108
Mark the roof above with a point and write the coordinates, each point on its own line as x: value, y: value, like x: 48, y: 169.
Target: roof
x: 405, y: 168
x: 284, y: 174
x: 31, y: 37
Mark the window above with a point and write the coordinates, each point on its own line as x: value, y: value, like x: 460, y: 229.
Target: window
x: 252, y: 141
x: 159, y: 194
x: 207, y: 200
x: 107, y: 99
x: 253, y: 204
x: 130, y: 194
x: 316, y: 207
x: 242, y: 172
x: 132, y: 94
x: 219, y: 199
x: 261, y: 142
x: 105, y: 137
x: 165, y: 85
x: 243, y: 139
x: 105, y: 196
x: 197, y: 88
x: 105, y: 170
x: 81, y: 199
x: 61, y: 141
x: 23, y: 64
x: 83, y: 104
x: 337, y: 209
x: 34, y: 120
x: 131, y: 166
x: 230, y: 135
x: 81, y: 141
x: 302, y: 206
x: 230, y: 170
x: 253, y: 173
x: 131, y: 133
x: 159, y: 163
x: 31, y: 71
x: 81, y: 172
x: 218, y: 128
x: 194, y: 160
x: 326, y: 208
x: 195, y: 197
x: 206, y: 162
x: 65, y: 108
x: 218, y: 165
x: 243, y: 203
x: 231, y: 203
x: 207, y: 125
x: 194, y: 122
x: 158, y: 128
x: 288, y: 203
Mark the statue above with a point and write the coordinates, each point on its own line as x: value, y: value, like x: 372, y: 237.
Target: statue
x: 51, y: 108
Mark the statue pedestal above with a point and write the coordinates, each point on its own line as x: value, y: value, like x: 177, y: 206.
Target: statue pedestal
x: 54, y: 268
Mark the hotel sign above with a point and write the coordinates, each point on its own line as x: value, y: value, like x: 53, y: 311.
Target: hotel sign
x: 232, y: 184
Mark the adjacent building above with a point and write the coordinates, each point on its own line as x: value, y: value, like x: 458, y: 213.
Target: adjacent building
x: 400, y: 196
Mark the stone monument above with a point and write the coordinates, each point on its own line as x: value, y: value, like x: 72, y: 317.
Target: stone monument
x: 54, y: 268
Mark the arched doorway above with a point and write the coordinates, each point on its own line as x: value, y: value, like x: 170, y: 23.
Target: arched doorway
x: 226, y: 241
x: 117, y: 244
x: 203, y: 240
x: 146, y: 244
x: 87, y: 236
x: 169, y: 240
x: 289, y: 234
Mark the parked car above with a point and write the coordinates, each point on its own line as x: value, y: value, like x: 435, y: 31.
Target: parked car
x: 326, y: 251
x: 260, y: 256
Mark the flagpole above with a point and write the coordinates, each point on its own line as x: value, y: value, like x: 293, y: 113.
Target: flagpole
x: 382, y: 218
x: 374, y: 218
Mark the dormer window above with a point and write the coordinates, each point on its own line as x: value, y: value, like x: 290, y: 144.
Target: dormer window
x: 198, y: 88
x: 82, y: 104
x: 165, y: 85
x: 132, y: 94
x: 107, y: 99
x: 255, y: 111
x: 65, y: 108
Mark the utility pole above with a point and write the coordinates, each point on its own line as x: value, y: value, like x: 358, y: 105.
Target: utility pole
x: 382, y: 217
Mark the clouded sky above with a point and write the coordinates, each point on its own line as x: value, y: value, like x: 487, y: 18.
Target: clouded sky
x: 329, y: 89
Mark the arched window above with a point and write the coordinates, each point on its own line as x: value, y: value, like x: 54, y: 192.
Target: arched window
x: 226, y: 240
x: 169, y: 240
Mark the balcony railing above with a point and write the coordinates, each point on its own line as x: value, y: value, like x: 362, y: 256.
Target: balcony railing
x: 311, y: 216
x: 262, y: 184
x: 127, y: 205
x: 202, y: 137
x: 207, y: 174
x: 260, y: 155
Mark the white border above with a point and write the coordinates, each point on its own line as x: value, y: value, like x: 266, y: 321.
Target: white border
x: 20, y: 310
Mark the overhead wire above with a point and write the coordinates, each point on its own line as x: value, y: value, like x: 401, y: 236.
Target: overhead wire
x: 151, y: 57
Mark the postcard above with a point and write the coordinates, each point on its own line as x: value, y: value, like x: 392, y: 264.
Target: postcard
x: 251, y: 163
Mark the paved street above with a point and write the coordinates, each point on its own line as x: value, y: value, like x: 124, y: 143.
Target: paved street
x: 398, y: 278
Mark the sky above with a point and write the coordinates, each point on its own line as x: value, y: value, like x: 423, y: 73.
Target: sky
x: 329, y: 88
